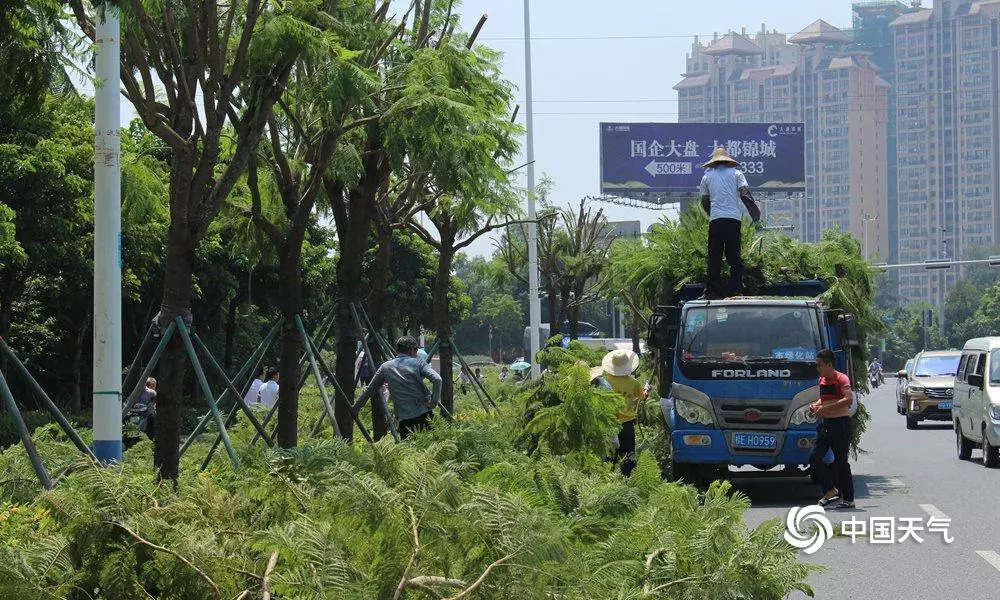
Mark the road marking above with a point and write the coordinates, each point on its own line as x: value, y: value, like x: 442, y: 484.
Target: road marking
x: 936, y: 513
x: 991, y: 557
x: 895, y: 482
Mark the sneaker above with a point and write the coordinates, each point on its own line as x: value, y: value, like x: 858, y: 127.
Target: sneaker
x: 828, y: 501
x: 845, y: 505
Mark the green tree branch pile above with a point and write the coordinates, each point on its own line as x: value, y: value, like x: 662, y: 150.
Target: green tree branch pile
x: 675, y: 254
x: 459, y: 511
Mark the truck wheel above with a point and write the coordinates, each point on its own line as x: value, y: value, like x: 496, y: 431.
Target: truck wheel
x: 911, y: 422
x: 991, y: 453
x: 963, y: 444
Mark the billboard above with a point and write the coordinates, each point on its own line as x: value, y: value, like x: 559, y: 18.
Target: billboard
x: 648, y: 159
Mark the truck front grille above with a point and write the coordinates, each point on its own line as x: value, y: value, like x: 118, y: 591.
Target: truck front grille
x: 742, y: 414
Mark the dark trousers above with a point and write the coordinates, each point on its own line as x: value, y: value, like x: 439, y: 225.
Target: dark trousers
x: 834, y: 434
x: 725, y: 236
x: 626, y: 447
x: 406, y: 426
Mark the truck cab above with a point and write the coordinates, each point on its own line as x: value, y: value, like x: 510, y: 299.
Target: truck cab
x: 737, y: 376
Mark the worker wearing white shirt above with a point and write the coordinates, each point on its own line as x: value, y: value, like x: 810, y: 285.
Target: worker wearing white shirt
x: 253, y: 394
x: 269, y: 391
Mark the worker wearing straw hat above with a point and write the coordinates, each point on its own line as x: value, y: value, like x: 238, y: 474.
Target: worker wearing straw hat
x: 619, y: 365
x: 723, y: 189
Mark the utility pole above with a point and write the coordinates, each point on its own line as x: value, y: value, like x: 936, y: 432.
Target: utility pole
x: 107, y: 242
x: 534, y: 305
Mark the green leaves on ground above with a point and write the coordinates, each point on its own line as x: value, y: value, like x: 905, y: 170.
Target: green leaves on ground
x: 457, y: 509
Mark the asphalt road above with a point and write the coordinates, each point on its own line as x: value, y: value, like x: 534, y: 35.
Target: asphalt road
x: 905, y: 474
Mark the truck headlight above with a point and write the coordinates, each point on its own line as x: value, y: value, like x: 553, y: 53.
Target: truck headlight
x: 800, y: 406
x: 803, y: 415
x: 995, y: 411
x: 693, y: 413
x: 691, y: 404
x: 916, y: 389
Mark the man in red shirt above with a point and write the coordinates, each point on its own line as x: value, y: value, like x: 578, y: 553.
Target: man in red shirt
x: 833, y: 406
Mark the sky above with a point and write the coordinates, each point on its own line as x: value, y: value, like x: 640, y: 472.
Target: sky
x: 594, y: 61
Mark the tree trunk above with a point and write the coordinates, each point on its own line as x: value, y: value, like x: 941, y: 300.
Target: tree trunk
x: 563, y: 309
x: 376, y: 309
x: 353, y: 240
x: 234, y: 305
x: 552, y: 302
x: 636, y: 329
x: 79, y: 343
x: 178, y: 267
x: 290, y: 278
x: 442, y: 316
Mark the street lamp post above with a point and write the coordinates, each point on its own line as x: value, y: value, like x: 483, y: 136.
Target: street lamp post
x: 534, y: 307
x: 865, y: 220
x: 107, y: 416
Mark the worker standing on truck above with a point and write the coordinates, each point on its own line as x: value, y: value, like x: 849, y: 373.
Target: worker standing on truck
x: 834, y: 407
x: 723, y: 189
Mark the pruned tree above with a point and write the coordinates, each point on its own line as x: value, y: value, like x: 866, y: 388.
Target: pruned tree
x: 203, y: 77
x: 572, y: 251
x: 589, y: 240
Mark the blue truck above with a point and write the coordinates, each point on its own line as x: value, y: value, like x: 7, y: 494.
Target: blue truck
x: 736, y: 377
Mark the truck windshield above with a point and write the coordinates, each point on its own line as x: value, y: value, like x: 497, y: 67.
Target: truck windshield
x: 937, y: 366
x: 739, y: 333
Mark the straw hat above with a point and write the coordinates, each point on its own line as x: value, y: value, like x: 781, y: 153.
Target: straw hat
x: 596, y: 372
x: 620, y: 362
x: 720, y: 156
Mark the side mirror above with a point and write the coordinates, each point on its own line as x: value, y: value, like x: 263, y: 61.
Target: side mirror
x: 901, y: 374
x: 663, y: 326
x: 975, y: 381
x: 848, y: 330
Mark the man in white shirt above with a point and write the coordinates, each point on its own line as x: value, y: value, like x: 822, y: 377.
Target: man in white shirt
x: 253, y: 394
x: 269, y: 391
x: 722, y: 191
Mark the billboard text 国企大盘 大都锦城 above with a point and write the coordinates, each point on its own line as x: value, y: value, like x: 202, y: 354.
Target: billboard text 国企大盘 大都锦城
x: 648, y: 159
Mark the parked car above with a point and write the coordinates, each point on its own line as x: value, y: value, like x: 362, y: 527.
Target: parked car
x: 930, y: 387
x: 901, y: 387
x: 976, y: 415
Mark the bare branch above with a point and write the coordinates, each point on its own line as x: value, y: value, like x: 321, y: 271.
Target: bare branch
x: 423, y: 234
x: 475, y: 31
x: 271, y: 563
x: 135, y: 536
x: 413, y: 555
x: 468, y: 591
x: 490, y: 227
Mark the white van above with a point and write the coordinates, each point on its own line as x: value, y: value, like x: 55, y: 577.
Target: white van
x: 976, y: 412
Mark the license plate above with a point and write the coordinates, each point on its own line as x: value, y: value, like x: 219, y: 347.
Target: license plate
x: 944, y: 405
x: 757, y: 441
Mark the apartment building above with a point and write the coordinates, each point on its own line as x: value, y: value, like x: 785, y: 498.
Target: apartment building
x: 947, y: 132
x: 816, y: 78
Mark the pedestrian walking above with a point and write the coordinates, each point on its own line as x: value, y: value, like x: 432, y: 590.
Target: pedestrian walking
x: 833, y: 406
x: 723, y: 189
x: 269, y: 391
x: 619, y: 366
x: 253, y: 394
x: 410, y: 398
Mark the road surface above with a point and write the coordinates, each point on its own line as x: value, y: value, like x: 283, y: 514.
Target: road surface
x: 906, y: 474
